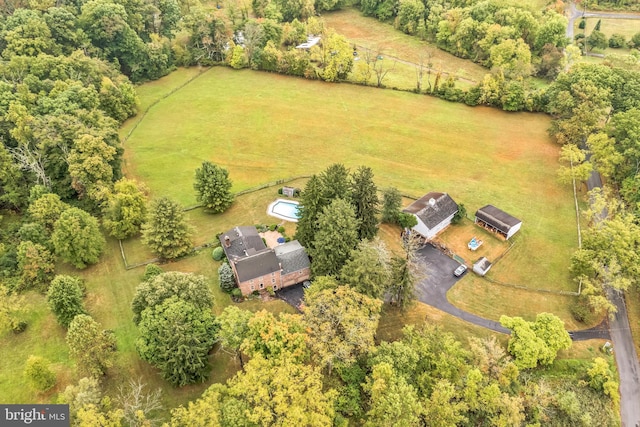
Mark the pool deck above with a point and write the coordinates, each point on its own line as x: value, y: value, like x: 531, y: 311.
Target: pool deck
x: 270, y: 211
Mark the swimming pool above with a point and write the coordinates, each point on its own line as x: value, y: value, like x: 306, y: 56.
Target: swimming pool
x: 284, y: 209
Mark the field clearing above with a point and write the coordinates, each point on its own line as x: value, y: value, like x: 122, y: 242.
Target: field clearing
x: 373, y: 34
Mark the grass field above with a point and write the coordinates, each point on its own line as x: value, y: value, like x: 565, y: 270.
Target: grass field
x: 626, y: 27
x: 373, y: 34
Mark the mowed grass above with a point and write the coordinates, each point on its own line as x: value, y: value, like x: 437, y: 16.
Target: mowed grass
x: 626, y: 27
x: 373, y: 34
x: 263, y: 127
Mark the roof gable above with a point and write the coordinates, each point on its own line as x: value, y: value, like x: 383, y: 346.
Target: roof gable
x: 497, y: 218
x: 433, y: 208
x: 257, y: 265
x: 292, y: 257
x: 241, y: 242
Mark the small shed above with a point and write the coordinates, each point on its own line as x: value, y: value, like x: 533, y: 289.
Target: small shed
x: 482, y: 266
x: 288, y: 191
x: 498, y: 221
x: 434, y: 212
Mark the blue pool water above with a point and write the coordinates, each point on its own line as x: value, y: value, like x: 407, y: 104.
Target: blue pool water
x: 286, y: 209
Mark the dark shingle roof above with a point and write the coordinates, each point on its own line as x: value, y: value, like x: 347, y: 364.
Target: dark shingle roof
x: 292, y: 256
x: 241, y: 239
x: 256, y: 265
x: 433, y: 213
x: 497, y: 218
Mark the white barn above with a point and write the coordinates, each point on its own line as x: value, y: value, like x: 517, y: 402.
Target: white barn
x: 434, y: 212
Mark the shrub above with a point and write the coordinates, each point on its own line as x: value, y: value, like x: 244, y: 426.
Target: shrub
x: 217, y: 253
x: 271, y: 291
x: 582, y: 24
x: 581, y: 311
x: 273, y: 227
x: 236, y: 293
x: 617, y: 41
x: 281, y: 229
x: 151, y: 271
x: 19, y: 327
x: 280, y: 190
x: 296, y: 192
x: 38, y: 374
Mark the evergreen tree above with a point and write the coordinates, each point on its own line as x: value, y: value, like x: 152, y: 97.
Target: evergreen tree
x: 335, y: 183
x: 65, y: 299
x: 181, y: 357
x: 92, y: 347
x: 213, y: 187
x: 391, y: 204
x: 77, y: 238
x: 367, y: 270
x: 226, y: 278
x: 364, y: 197
x: 166, y: 232
x: 311, y: 204
x: 405, y: 272
x: 126, y: 209
x: 336, y: 237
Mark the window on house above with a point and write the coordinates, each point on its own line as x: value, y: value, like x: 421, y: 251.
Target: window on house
x: 273, y: 280
x: 261, y: 285
x: 253, y: 288
x: 275, y: 287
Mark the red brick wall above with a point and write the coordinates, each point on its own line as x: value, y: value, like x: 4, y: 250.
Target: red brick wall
x: 266, y: 280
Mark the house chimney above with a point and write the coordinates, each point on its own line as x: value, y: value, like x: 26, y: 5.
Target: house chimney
x: 432, y: 202
x: 227, y: 241
x: 280, y: 265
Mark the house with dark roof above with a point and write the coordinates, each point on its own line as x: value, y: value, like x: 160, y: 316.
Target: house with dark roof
x: 434, y: 212
x: 498, y: 221
x: 257, y: 267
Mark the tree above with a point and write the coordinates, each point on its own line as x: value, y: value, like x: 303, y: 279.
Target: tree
x: 90, y: 167
x: 391, y: 204
x: 213, y: 187
x: 92, y: 348
x: 36, y: 265
x: 188, y: 287
x: 176, y: 337
x: 513, y: 57
x: 165, y: 230
x: 295, y: 394
x: 578, y: 169
x: 46, y: 210
x: 311, y: 204
x: 126, y: 209
x: 11, y: 305
x: 77, y: 238
x: 335, y: 183
x: 341, y: 324
x: 234, y: 327
x: 336, y: 237
x: 617, y: 41
x: 407, y: 220
x: 38, y: 373
x: 274, y: 338
x: 533, y: 343
x: 392, y: 402
x: 65, y: 299
x: 139, y: 406
x: 337, y: 57
x: 226, y: 278
x: 87, y: 392
x: 364, y: 197
x: 367, y: 270
x: 597, y: 40
x: 405, y: 272
x: 602, y: 378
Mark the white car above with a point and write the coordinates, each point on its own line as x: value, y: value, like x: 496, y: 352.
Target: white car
x: 460, y: 270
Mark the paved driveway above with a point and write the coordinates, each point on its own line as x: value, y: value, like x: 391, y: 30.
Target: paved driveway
x: 293, y: 295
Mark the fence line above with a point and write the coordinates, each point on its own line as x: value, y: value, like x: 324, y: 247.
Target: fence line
x: 165, y: 96
x: 526, y: 288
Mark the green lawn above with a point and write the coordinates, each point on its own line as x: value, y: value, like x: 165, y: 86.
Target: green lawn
x: 626, y: 27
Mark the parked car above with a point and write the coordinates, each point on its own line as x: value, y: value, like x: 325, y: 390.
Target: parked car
x: 460, y: 270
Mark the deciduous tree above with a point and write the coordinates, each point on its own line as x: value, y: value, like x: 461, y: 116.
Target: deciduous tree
x: 46, y: 210
x: 213, y: 187
x: 36, y: 265
x: 391, y: 400
x: 65, y: 299
x: 341, y: 324
x: 77, y: 238
x: 126, y: 209
x: 165, y: 231
x: 188, y: 287
x: 276, y: 338
x: 38, y: 373
x: 91, y: 347
x: 11, y: 305
x: 234, y: 327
